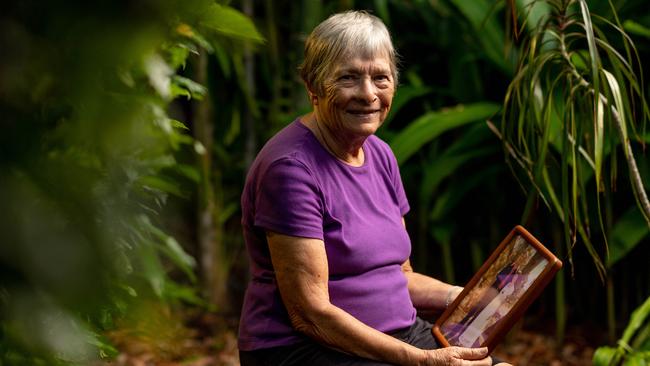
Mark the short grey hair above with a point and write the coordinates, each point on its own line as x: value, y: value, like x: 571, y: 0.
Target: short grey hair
x: 343, y: 35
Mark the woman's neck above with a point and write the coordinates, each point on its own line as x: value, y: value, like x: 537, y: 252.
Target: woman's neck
x: 348, y: 150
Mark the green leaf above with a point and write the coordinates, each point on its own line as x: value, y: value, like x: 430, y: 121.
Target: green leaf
x: 451, y: 197
x: 639, y: 317
x: 159, y: 73
x: 196, y: 90
x: 404, y: 94
x: 178, y: 124
x: 178, y: 55
x: 599, y: 138
x: 152, y: 269
x: 626, y: 234
x: 187, y: 294
x: 442, y: 167
x: 618, y: 102
x: 129, y: 290
x: 189, y: 171
x: 491, y: 36
x: 170, y: 246
x: 636, y: 28
x: 579, y: 59
x: 105, y: 348
x: 200, y: 40
x: 535, y: 12
x: 604, y: 356
x: 176, y: 91
x: 230, y: 22
x: 637, y: 359
x: 163, y: 185
x: 433, y: 124
x: 227, y: 212
x: 177, y: 255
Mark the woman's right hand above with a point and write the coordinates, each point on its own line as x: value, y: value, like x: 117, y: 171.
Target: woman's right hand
x: 457, y: 356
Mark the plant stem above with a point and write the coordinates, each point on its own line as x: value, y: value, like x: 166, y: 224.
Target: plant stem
x: 611, y: 310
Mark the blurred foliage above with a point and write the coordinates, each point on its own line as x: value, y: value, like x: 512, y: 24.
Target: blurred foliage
x: 103, y: 161
x: 87, y: 162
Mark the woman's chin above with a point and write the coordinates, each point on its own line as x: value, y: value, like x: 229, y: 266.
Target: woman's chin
x: 364, y: 125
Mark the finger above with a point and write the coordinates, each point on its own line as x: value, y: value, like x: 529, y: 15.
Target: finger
x: 483, y: 362
x: 472, y: 353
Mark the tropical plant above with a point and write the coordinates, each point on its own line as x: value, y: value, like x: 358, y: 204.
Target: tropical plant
x: 574, y: 102
x: 573, y: 105
x: 228, y: 112
x: 87, y: 164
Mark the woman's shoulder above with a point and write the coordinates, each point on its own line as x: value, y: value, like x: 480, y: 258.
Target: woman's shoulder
x: 294, y: 142
x: 293, y: 138
x: 381, y: 150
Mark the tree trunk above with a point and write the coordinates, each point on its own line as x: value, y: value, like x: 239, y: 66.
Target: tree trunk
x: 211, y: 257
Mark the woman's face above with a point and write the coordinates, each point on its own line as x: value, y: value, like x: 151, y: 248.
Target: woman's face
x: 357, y: 97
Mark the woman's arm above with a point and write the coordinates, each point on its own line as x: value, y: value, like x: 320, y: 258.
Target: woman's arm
x: 429, y: 294
x: 302, y: 273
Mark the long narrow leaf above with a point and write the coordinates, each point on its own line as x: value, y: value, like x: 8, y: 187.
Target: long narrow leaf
x: 490, y: 35
x: 636, y: 28
x: 230, y: 22
x: 600, y: 267
x: 639, y: 316
x: 593, y: 50
x: 599, y: 129
x: 405, y: 94
x: 433, y: 124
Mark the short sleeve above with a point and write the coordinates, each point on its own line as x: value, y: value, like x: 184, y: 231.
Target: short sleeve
x: 288, y: 201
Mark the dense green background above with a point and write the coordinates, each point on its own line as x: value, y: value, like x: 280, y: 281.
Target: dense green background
x: 127, y: 128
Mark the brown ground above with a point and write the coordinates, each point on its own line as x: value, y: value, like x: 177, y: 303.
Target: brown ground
x: 208, y: 340
x: 527, y: 348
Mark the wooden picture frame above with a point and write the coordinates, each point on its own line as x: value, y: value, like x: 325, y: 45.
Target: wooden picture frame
x: 498, y: 294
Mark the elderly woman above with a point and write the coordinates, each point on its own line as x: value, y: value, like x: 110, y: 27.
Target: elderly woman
x: 323, y: 211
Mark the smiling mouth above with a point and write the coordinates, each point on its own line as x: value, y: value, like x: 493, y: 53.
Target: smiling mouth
x: 363, y: 112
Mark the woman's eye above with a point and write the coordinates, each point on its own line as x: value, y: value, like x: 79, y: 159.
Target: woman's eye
x: 382, y: 78
x: 346, y: 77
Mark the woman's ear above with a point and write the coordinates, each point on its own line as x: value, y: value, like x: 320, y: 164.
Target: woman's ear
x: 313, y: 97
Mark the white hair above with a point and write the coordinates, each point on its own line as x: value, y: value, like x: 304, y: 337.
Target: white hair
x: 344, y: 35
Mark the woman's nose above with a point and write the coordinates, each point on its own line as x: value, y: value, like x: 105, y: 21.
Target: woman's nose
x: 367, y: 90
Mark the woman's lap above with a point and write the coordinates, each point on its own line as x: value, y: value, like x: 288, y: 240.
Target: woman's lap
x: 313, y: 354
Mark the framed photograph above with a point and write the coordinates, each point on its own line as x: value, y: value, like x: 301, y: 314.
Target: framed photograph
x: 498, y: 294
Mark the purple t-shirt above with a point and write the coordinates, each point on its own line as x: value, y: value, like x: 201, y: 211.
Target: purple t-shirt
x: 295, y: 187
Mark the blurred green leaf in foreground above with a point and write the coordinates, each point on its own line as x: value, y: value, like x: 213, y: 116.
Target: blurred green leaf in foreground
x: 87, y: 161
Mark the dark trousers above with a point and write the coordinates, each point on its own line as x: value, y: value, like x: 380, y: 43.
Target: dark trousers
x: 312, y: 353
